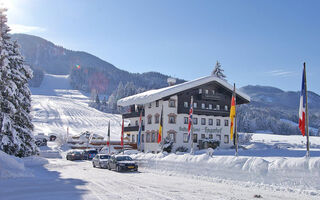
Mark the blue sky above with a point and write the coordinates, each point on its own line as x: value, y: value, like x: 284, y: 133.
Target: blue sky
x: 257, y: 42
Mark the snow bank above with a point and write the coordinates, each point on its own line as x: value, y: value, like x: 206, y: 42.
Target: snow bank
x: 13, y: 167
x: 301, y: 173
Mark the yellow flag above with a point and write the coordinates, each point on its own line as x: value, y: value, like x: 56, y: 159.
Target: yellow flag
x: 232, y: 115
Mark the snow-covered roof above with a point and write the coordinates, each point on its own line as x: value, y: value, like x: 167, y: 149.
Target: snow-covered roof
x: 153, y: 95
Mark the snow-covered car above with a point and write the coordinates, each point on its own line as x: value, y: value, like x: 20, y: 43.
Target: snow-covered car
x: 74, y: 155
x: 122, y: 163
x: 101, y: 160
x: 89, y: 154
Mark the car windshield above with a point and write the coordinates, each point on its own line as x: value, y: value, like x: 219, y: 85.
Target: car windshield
x: 104, y: 157
x: 122, y: 158
x: 77, y: 152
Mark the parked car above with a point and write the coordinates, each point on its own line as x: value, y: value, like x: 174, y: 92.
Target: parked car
x: 41, y: 142
x: 101, y: 160
x: 89, y: 154
x: 74, y: 155
x: 122, y: 163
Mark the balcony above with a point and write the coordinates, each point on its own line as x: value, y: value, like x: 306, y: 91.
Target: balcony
x: 132, y: 114
x: 132, y: 128
x: 199, y: 111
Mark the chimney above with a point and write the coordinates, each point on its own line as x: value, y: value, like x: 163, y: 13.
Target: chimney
x: 171, y: 81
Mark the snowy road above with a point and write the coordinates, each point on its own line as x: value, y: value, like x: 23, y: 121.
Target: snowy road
x: 62, y: 179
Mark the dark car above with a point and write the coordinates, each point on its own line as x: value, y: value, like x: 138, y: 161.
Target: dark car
x: 89, y: 154
x: 41, y: 142
x: 101, y: 160
x: 74, y: 155
x: 122, y: 163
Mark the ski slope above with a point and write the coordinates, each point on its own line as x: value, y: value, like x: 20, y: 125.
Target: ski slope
x: 55, y: 107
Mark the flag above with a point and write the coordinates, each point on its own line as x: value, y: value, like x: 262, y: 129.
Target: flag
x: 122, y: 133
x: 140, y: 128
x: 108, y: 142
x: 232, y: 113
x: 160, y: 126
x: 190, y: 119
x: 302, y: 108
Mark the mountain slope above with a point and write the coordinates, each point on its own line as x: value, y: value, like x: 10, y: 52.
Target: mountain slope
x: 55, y: 106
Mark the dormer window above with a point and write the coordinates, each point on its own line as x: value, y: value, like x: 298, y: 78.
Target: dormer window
x: 172, y: 103
x: 207, y: 91
x: 213, y: 92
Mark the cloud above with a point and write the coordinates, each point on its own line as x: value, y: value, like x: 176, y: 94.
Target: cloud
x: 19, y: 28
x: 282, y: 73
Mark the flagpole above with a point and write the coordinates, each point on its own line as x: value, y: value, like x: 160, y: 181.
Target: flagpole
x: 307, y: 116
x: 235, y: 119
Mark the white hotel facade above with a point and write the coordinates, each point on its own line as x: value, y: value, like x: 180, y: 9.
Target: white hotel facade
x: 211, y: 97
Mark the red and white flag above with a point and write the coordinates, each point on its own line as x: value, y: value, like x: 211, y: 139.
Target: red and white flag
x: 302, y: 109
x: 122, y: 133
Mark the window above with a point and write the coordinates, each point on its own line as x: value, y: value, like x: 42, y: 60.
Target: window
x: 185, y: 137
x: 200, y: 91
x: 226, y: 122
x: 142, y: 139
x: 153, y: 137
x: 203, y: 106
x: 150, y: 105
x: 142, y: 122
x: 156, y: 118
x: 172, y: 137
x: 213, y: 92
x: 219, y: 137
x: 218, y: 122
x: 203, y: 136
x: 210, y: 106
x: 210, y: 121
x: 226, y: 108
x: 195, y: 105
x: 172, y: 103
x: 186, y: 104
x: 226, y: 139
x: 133, y: 138
x: 157, y: 103
x: 195, y: 120
x: 149, y: 119
x: 203, y: 121
x: 137, y: 123
x: 218, y: 107
x: 195, y: 138
x: 186, y: 120
x: 210, y: 136
x: 207, y: 91
x: 148, y: 139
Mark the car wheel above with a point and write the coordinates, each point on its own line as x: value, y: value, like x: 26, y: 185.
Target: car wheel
x: 118, y: 169
x: 109, y: 168
x: 93, y: 165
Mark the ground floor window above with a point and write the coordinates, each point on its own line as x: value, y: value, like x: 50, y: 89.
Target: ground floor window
x: 185, y: 137
x: 153, y: 138
x: 172, y: 137
x: 210, y: 136
x: 203, y: 136
x: 195, y: 138
x: 226, y: 139
x: 133, y: 138
x: 148, y: 139
x: 219, y: 137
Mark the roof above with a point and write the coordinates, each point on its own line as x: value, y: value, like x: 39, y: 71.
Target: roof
x: 153, y: 95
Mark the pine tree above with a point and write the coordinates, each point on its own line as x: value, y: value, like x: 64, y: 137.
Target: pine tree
x: 15, y: 122
x: 218, y: 71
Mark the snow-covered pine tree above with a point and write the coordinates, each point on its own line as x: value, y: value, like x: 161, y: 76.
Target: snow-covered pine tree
x: 15, y: 122
x: 218, y: 71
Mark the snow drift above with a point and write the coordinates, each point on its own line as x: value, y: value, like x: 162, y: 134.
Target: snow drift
x: 301, y: 173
